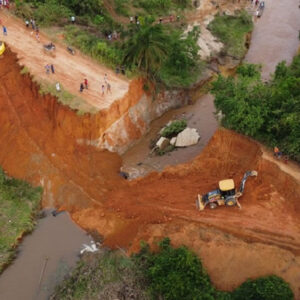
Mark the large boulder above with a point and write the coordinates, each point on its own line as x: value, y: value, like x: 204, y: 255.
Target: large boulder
x: 173, y: 141
x: 162, y: 143
x: 187, y: 137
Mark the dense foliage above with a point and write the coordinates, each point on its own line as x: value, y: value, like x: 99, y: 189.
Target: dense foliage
x: 174, y: 128
x: 164, y: 54
x: 231, y: 30
x: 169, y: 273
x: 18, y: 202
x: 175, y: 273
x: 269, y: 112
x: 264, y: 288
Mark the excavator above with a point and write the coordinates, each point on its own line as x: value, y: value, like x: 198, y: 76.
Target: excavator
x: 2, y: 48
x: 226, y: 194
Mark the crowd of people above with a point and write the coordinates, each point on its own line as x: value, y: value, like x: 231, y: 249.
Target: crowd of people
x: 4, y: 3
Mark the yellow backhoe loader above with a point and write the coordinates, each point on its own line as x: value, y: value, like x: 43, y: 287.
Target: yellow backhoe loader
x: 225, y: 194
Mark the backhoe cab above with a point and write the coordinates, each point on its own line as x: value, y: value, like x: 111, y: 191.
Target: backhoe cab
x: 225, y: 194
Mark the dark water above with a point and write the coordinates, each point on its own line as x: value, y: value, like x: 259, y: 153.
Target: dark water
x: 53, y: 247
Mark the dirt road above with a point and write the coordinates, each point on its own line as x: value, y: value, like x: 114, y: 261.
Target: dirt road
x: 70, y: 70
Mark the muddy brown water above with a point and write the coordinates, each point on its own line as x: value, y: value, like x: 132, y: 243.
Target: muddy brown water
x: 53, y: 247
x: 275, y: 35
x: 138, y: 162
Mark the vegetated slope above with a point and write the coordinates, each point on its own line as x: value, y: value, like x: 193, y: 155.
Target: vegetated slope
x: 39, y: 142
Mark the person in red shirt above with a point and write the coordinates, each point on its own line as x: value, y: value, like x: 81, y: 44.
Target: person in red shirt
x: 86, y: 83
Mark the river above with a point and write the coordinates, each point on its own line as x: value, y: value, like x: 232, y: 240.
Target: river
x: 44, y: 258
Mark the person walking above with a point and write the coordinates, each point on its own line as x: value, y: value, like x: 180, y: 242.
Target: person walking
x: 81, y: 88
x: 4, y: 30
x: 105, y: 78
x: 108, y: 88
x: 27, y: 23
x: 47, y: 68
x: 86, y: 83
x: 52, y: 68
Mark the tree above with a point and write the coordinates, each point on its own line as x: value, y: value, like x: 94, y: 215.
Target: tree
x: 264, y: 288
x: 147, y: 49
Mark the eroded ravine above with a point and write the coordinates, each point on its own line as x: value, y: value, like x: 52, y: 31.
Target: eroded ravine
x: 39, y: 143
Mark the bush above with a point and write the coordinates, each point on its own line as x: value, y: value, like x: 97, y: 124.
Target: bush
x: 174, y: 128
x: 264, y: 288
x: 268, y: 112
x: 232, y: 30
x: 175, y: 273
x: 51, y: 12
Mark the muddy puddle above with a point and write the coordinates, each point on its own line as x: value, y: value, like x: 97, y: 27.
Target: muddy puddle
x: 43, y: 259
x: 138, y: 161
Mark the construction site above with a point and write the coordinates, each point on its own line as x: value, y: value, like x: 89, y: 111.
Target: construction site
x: 77, y: 160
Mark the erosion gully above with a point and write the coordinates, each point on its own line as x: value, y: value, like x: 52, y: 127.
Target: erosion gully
x: 47, y: 255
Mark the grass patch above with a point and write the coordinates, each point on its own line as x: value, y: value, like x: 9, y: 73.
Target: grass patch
x: 19, y: 202
x: 232, y: 31
x: 74, y: 102
x: 24, y: 70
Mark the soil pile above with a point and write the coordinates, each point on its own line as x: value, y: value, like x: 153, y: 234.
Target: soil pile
x: 39, y: 143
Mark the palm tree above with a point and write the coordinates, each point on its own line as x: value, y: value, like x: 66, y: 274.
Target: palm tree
x: 147, y: 49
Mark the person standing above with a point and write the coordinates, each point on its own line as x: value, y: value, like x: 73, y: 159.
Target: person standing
x: 108, y: 88
x: 103, y: 89
x: 73, y: 20
x: 4, y: 30
x: 27, y: 23
x: 81, y: 88
x: 86, y: 83
x: 52, y: 68
x: 47, y: 67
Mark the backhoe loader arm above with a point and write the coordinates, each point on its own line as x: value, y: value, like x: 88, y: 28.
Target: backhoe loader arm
x: 243, y: 182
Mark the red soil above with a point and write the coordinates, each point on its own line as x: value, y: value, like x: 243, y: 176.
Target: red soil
x: 39, y: 142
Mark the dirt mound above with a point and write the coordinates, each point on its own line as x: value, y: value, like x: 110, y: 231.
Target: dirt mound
x: 39, y: 142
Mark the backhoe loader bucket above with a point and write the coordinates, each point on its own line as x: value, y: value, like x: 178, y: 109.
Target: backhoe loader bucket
x: 254, y: 173
x: 199, y: 203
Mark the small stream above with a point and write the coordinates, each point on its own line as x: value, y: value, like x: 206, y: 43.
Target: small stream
x: 44, y: 258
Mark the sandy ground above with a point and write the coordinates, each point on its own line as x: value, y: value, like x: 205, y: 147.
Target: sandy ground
x: 70, y: 70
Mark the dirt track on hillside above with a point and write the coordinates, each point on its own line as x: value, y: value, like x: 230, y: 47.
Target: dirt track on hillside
x: 70, y: 70
x: 38, y: 143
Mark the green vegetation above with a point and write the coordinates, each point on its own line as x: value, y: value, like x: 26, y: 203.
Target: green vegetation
x: 169, y: 273
x: 269, y: 112
x: 64, y: 97
x: 264, y: 288
x: 231, y: 30
x: 19, y: 202
x: 105, y: 275
x: 174, y: 128
x: 164, y: 54
x: 24, y: 70
x: 161, y: 53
